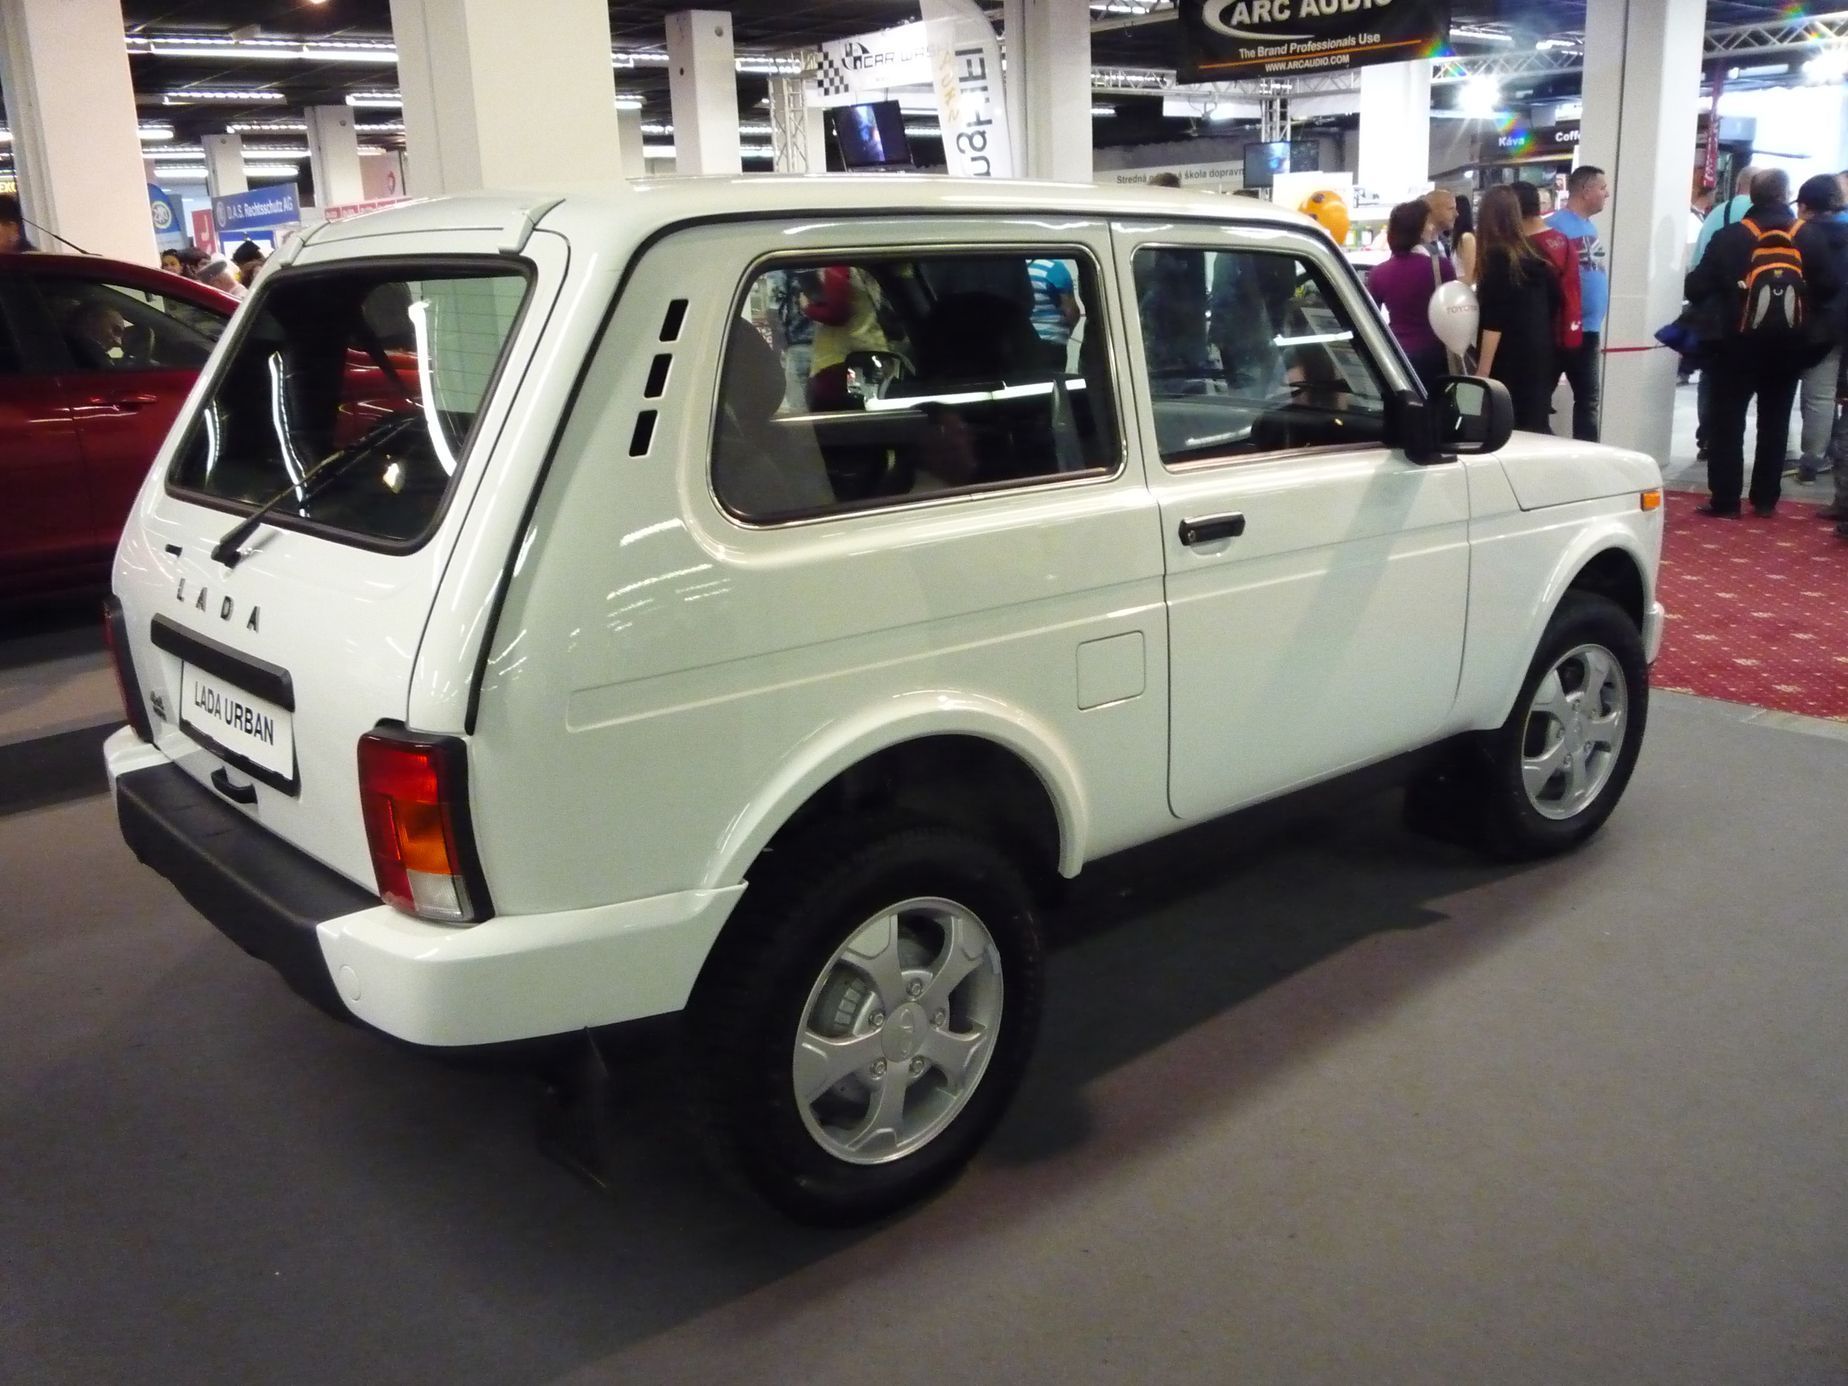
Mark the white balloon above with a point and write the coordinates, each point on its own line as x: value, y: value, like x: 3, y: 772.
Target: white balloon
x: 1454, y: 315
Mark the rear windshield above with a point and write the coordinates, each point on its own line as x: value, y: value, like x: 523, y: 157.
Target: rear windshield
x: 356, y: 391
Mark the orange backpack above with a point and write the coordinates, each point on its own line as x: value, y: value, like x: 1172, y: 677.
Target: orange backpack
x: 1775, y: 294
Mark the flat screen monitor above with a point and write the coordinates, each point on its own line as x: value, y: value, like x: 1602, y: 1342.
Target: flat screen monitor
x: 1263, y: 162
x: 871, y: 135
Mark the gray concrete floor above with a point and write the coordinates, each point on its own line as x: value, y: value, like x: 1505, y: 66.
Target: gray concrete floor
x: 1316, y: 1101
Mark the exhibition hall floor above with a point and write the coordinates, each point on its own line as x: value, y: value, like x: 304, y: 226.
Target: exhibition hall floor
x: 1315, y: 1101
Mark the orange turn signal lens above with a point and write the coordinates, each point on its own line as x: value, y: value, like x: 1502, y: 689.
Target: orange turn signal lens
x: 1652, y: 500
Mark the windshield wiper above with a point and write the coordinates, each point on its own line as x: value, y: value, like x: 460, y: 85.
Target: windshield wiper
x: 229, y: 550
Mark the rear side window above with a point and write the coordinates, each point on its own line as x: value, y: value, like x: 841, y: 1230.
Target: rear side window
x: 874, y: 381
x: 357, y: 389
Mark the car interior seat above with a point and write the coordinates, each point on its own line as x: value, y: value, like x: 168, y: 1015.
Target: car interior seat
x: 763, y: 466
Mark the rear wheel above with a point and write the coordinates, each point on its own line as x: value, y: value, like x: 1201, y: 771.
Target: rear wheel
x: 866, y: 1019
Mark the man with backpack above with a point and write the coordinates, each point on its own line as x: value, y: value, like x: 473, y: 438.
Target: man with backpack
x: 1767, y: 283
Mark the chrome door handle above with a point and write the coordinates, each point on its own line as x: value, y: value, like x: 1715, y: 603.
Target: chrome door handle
x: 1207, y: 528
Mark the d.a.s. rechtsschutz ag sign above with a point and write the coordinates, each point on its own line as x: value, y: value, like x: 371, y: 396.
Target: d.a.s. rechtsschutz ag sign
x: 1227, y: 39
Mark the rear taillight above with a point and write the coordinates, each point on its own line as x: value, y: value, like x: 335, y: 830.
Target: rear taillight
x: 413, y: 792
x: 115, y: 635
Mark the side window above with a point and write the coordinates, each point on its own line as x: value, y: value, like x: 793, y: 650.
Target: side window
x: 850, y: 384
x: 1250, y: 352
x: 115, y: 327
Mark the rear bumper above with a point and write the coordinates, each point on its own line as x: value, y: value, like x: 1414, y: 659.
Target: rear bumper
x: 513, y: 977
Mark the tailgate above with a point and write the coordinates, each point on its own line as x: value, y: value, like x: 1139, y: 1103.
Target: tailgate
x: 362, y: 398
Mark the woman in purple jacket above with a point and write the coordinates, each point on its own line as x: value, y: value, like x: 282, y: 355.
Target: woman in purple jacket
x: 1403, y: 286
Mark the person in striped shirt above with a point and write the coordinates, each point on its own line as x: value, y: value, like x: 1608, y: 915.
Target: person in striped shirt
x: 1055, y: 304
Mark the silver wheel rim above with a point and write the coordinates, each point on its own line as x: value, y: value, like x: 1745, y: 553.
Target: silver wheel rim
x: 1574, y: 732
x: 897, y: 1031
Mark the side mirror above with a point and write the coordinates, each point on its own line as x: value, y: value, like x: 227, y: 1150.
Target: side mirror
x: 1467, y: 415
x: 1474, y: 415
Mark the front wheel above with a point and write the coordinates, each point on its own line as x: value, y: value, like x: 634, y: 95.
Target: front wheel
x: 1554, y: 771
x: 866, y: 1019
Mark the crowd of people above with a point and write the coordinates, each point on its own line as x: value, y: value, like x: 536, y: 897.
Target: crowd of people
x: 233, y: 274
x: 1767, y: 315
x: 1541, y: 289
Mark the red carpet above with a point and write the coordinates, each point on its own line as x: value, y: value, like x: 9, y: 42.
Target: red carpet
x: 1757, y: 609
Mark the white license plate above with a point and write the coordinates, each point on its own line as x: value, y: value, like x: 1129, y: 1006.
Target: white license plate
x: 231, y: 719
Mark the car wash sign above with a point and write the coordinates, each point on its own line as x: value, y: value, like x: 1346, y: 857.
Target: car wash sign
x: 1227, y: 39
x: 865, y: 67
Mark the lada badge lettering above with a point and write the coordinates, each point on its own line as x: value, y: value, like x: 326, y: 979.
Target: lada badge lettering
x: 226, y: 606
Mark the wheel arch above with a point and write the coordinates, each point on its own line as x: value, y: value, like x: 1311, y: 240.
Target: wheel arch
x: 931, y: 752
x: 1609, y: 562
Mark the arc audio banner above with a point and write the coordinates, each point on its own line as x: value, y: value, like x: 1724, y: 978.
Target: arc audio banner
x: 1227, y: 39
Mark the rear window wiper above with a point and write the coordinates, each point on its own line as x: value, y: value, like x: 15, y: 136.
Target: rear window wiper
x: 229, y: 550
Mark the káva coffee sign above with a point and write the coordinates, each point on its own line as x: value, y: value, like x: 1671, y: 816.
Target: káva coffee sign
x: 1227, y: 39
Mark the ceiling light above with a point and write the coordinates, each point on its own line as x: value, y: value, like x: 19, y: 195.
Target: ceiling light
x: 153, y: 134
x: 928, y: 132
x: 271, y: 171
x: 1464, y: 31
x: 1829, y: 65
x: 1481, y: 97
x: 218, y: 47
x: 387, y: 99
x: 625, y: 101
x: 749, y: 151
x: 6, y: 136
x: 266, y: 127
x: 188, y: 96
x: 1102, y: 110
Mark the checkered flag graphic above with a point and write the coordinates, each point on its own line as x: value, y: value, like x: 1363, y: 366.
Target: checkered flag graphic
x: 830, y: 75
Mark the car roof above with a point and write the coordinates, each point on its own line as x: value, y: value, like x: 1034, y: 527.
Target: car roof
x: 623, y: 213
x: 53, y: 264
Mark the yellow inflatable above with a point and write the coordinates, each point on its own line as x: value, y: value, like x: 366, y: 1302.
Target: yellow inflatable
x: 1329, y: 209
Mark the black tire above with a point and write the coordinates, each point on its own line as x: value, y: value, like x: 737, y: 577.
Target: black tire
x: 1491, y: 789
x: 803, y: 904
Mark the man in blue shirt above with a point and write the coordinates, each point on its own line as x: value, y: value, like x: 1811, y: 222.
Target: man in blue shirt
x: 1055, y: 305
x: 1586, y: 193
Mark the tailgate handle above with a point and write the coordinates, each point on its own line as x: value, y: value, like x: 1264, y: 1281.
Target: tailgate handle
x: 1208, y: 528
x: 236, y: 793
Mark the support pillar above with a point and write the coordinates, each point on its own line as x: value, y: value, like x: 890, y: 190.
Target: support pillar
x: 1050, y: 61
x: 496, y: 97
x: 333, y: 156
x: 71, y: 109
x: 1395, y: 130
x: 629, y: 137
x: 1642, y: 79
x: 224, y: 165
x: 797, y: 141
x: 703, y: 86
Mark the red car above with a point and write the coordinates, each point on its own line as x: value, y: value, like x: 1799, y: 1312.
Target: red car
x: 96, y: 357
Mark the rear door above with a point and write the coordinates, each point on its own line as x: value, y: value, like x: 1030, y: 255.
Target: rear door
x: 271, y: 661
x: 130, y: 356
x: 47, y: 510
x: 1316, y: 577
